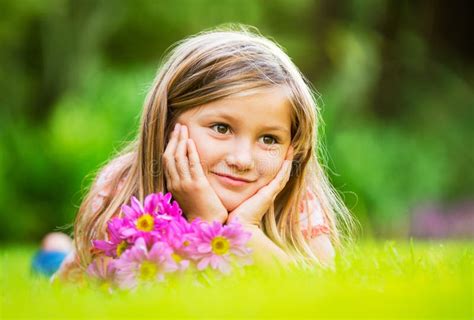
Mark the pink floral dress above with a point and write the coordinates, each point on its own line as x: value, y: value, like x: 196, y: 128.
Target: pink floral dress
x: 312, y: 226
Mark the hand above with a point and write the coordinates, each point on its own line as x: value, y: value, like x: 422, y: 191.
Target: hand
x: 186, y: 181
x: 251, y: 211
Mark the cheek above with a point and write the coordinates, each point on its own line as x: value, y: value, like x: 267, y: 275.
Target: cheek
x: 268, y: 168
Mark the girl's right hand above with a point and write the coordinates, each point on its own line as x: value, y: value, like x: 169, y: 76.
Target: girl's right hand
x: 186, y: 181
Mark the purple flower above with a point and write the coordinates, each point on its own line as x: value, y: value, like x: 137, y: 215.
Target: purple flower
x: 218, y: 246
x: 161, y: 204
x: 181, y: 234
x: 149, y: 221
x: 102, y: 269
x: 117, y: 242
x: 154, y: 239
x: 140, y: 264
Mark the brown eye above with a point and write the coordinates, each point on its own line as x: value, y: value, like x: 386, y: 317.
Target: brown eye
x: 275, y: 141
x: 221, y: 128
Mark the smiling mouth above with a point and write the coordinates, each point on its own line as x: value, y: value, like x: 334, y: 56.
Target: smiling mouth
x: 233, y: 178
x: 231, y: 181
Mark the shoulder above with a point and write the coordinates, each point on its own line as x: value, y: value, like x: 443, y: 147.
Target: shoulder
x: 103, y: 186
x: 107, y: 173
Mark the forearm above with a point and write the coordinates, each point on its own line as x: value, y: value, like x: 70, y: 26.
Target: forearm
x: 265, y: 251
x: 323, y: 249
x: 69, y: 270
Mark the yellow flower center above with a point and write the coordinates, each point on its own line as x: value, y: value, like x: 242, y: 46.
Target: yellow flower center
x: 220, y: 245
x: 176, y: 257
x: 145, y: 223
x: 122, y: 246
x: 186, y: 243
x: 148, y: 270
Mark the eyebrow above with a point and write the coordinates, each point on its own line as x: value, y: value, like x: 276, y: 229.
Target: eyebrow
x: 232, y: 118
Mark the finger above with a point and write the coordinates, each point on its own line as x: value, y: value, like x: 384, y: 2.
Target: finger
x: 287, y: 171
x: 289, y: 154
x: 280, y: 180
x: 181, y: 157
x: 271, y: 190
x: 194, y: 161
x: 170, y: 167
x: 266, y: 195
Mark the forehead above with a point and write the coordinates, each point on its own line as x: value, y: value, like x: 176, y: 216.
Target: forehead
x: 268, y: 107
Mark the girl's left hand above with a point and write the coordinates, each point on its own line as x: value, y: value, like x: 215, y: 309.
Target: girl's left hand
x: 251, y: 211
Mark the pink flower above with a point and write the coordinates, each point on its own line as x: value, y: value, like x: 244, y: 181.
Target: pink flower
x: 102, y: 269
x: 154, y: 239
x: 181, y: 234
x: 140, y: 264
x: 162, y: 205
x: 117, y: 242
x: 219, y: 246
x: 149, y: 221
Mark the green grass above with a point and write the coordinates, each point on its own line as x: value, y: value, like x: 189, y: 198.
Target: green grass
x: 375, y: 280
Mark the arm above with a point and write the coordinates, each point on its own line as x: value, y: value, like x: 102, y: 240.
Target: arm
x: 315, y: 229
x: 322, y: 247
x: 69, y: 270
x: 265, y: 251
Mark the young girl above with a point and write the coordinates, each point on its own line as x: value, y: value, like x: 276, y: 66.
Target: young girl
x: 229, y: 127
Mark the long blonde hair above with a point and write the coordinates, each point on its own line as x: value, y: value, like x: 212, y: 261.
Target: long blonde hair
x: 200, y: 69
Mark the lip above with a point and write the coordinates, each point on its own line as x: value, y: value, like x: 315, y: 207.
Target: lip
x: 231, y: 180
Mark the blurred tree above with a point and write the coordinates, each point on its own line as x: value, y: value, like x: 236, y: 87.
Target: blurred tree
x: 395, y: 80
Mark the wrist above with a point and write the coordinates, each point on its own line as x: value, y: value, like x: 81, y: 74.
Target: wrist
x: 221, y: 218
x: 251, y: 227
x: 265, y: 252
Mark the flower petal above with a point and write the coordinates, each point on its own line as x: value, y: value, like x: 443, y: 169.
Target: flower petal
x: 136, y: 205
x: 204, y: 248
x: 203, y: 263
x: 151, y: 202
x: 129, y: 212
x: 224, y: 267
x: 214, y: 261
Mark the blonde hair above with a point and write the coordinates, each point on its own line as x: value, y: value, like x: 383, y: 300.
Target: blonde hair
x: 200, y: 69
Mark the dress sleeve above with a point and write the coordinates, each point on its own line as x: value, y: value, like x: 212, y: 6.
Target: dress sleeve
x: 313, y: 224
x: 69, y: 269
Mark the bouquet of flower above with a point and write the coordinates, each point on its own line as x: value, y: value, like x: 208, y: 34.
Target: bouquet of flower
x: 154, y: 241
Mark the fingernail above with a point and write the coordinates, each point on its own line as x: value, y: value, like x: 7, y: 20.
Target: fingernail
x: 176, y: 127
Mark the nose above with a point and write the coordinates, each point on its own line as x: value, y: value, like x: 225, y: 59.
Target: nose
x: 240, y: 158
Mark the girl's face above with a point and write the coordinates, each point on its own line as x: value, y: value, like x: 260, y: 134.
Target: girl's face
x: 244, y: 136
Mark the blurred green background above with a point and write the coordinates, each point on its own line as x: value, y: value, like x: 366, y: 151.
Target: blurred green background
x: 395, y: 80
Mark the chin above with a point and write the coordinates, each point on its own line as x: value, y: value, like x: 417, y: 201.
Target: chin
x: 230, y: 202
x: 231, y: 199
